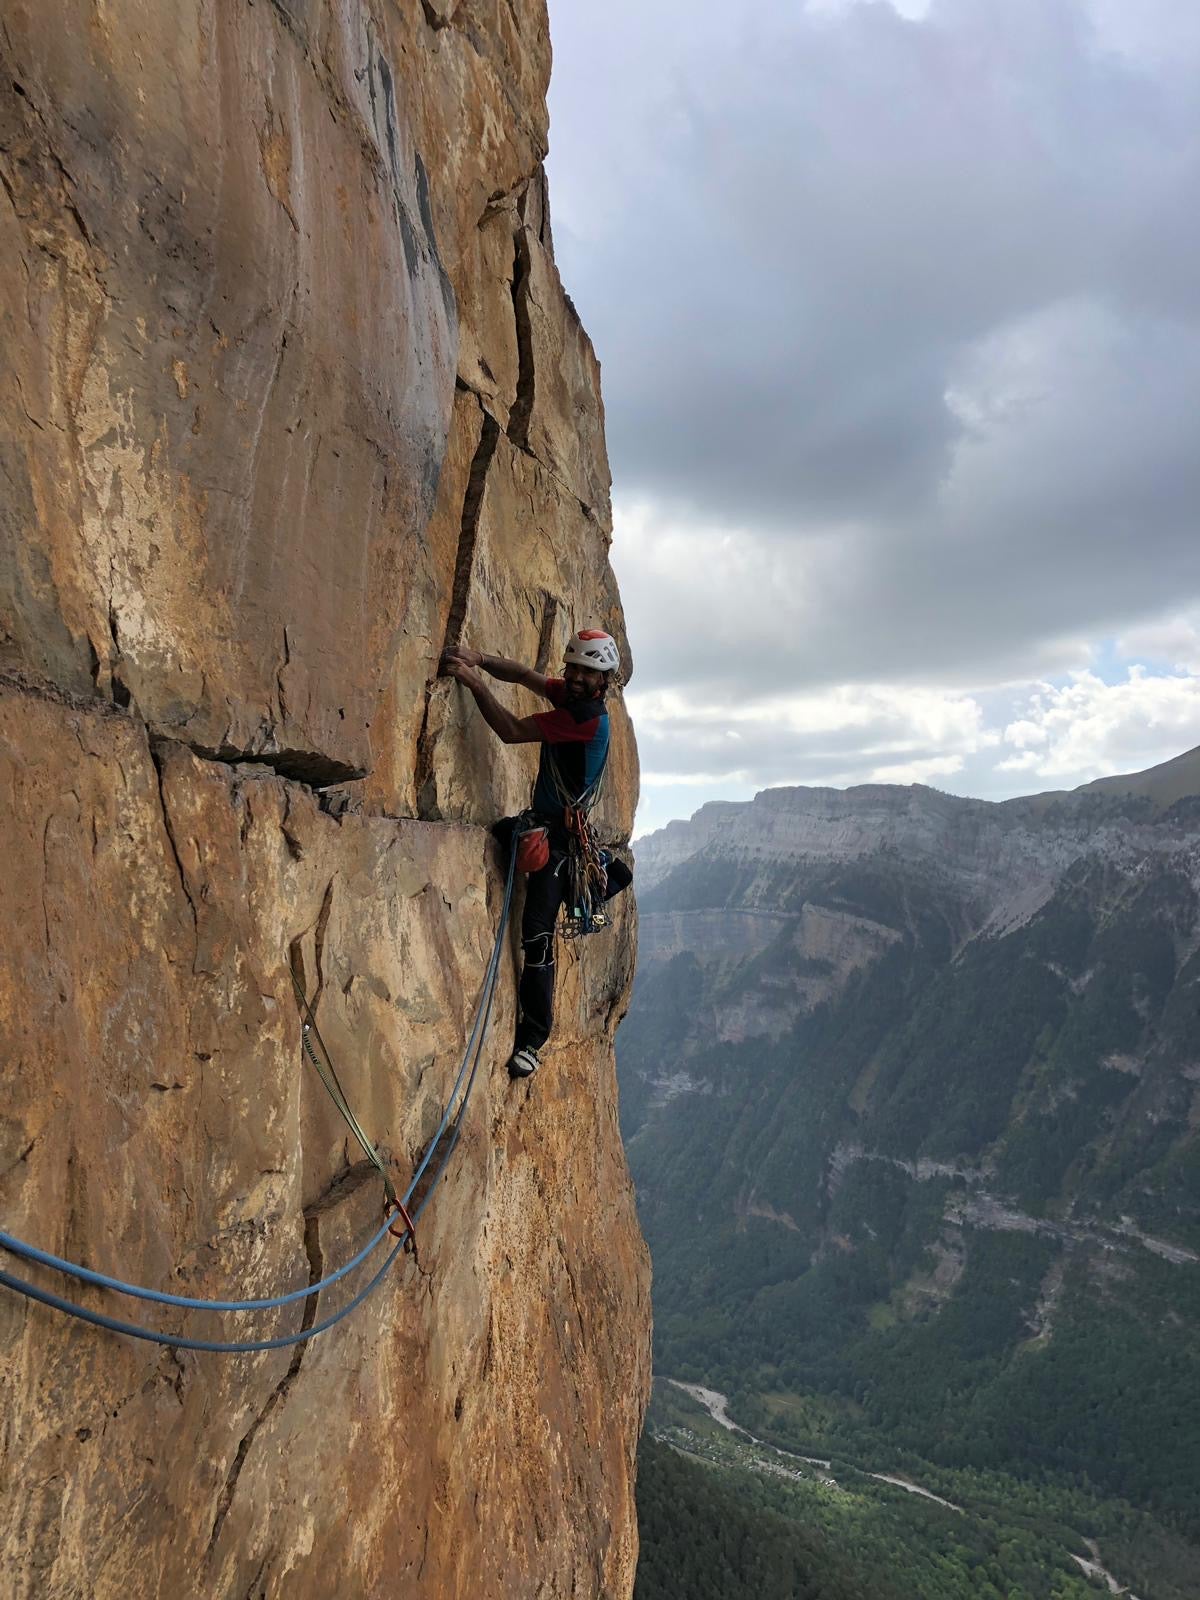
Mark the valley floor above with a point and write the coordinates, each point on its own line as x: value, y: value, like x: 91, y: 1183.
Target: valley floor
x: 886, y: 1534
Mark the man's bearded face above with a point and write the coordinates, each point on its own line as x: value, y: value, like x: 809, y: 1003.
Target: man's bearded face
x: 582, y: 682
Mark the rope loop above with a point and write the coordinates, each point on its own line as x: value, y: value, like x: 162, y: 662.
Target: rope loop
x: 452, y: 1118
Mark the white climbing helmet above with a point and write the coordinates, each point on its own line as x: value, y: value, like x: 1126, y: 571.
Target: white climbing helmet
x: 592, y: 647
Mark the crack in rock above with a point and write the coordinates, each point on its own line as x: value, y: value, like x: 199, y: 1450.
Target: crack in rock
x: 437, y: 22
x: 485, y: 451
x: 309, y: 767
x: 156, y: 757
x: 464, y: 564
x: 546, y: 632
x: 312, y: 1246
x: 521, y: 412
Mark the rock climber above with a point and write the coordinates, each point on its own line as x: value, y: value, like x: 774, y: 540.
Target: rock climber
x: 574, y: 741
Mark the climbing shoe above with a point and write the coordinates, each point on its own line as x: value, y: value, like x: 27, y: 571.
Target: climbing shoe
x: 523, y: 1063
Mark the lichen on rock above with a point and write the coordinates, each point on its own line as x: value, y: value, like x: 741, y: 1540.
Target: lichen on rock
x: 291, y: 396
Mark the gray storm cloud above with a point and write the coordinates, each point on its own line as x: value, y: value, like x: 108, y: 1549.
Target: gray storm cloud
x: 910, y: 308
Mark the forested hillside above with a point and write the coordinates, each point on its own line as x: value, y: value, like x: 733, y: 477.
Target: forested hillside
x: 710, y: 1539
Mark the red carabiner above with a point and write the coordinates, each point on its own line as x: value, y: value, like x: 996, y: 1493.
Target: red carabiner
x: 409, y: 1233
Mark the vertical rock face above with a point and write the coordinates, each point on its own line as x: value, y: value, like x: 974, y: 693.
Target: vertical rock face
x: 291, y: 396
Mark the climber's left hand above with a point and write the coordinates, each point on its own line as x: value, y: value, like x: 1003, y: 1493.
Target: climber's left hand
x: 464, y: 674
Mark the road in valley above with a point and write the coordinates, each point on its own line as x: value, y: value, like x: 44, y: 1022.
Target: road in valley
x: 717, y: 1406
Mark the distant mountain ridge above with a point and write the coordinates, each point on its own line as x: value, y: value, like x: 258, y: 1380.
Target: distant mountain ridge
x: 1164, y: 784
x: 788, y: 823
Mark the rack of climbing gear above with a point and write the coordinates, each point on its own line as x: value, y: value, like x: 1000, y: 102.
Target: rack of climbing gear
x: 399, y: 1220
x: 587, y: 878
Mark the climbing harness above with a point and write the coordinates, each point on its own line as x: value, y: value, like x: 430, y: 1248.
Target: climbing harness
x: 396, y: 1208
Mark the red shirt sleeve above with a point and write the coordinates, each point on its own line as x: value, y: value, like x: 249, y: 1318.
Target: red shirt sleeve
x: 560, y: 727
x: 556, y: 690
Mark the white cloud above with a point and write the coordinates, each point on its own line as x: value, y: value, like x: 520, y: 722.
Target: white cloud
x: 848, y: 734
x: 694, y: 780
x: 919, y: 771
x: 911, y: 10
x: 1171, y: 641
x: 1024, y: 733
x: 1088, y: 728
x: 1160, y: 34
x: 1026, y: 762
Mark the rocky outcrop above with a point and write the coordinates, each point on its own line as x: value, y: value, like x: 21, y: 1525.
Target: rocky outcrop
x: 291, y: 396
x: 800, y: 960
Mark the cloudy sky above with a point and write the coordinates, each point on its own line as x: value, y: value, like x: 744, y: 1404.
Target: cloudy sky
x: 898, y: 306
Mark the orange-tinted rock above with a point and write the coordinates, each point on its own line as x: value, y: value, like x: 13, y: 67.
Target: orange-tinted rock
x: 245, y: 252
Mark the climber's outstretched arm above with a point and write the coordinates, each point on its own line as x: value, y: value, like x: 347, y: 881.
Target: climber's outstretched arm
x: 496, y: 667
x: 512, y: 729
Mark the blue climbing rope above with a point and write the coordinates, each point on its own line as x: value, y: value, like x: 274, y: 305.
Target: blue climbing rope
x: 471, y: 1057
x: 178, y: 1341
x: 18, y: 1247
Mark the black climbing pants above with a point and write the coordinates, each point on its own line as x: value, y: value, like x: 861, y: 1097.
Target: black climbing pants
x: 545, y: 892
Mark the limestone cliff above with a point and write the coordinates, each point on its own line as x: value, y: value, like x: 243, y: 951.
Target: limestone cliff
x: 291, y: 396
